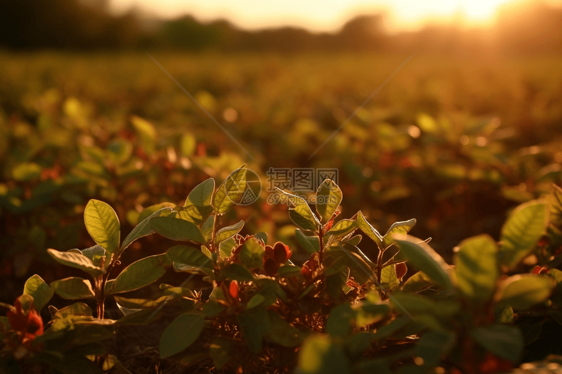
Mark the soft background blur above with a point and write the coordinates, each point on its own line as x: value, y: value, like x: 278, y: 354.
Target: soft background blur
x: 467, y: 129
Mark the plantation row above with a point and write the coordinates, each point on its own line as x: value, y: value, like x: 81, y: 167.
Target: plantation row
x: 455, y: 145
x: 339, y: 311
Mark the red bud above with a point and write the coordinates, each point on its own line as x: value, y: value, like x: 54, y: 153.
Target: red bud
x: 270, y: 267
x: 29, y: 324
x: 233, y: 289
x: 401, y: 270
x: 280, y: 253
x: 269, y: 252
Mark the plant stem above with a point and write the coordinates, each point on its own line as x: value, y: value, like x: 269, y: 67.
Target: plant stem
x: 213, y: 236
x: 379, y: 269
x: 101, y: 296
x: 321, y: 242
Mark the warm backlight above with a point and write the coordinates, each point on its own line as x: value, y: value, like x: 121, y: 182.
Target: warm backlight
x: 323, y: 15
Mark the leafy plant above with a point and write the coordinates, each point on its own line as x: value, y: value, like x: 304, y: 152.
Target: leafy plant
x: 98, y: 261
x: 339, y: 311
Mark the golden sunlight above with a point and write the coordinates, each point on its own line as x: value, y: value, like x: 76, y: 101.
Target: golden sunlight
x: 326, y: 15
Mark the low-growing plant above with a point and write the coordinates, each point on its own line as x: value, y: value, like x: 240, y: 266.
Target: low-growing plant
x: 339, y: 311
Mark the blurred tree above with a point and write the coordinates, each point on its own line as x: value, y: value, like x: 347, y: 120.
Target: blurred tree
x: 363, y: 33
x: 63, y: 24
x: 530, y: 27
x: 188, y: 33
x: 522, y: 28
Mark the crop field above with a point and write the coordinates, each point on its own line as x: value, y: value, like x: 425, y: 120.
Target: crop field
x: 155, y: 198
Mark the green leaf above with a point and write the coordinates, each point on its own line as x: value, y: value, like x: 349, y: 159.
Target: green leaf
x: 335, y: 284
x: 391, y: 328
x: 190, y: 257
x: 372, y: 365
x: 76, y: 260
x: 389, y: 279
x: 213, y: 308
x: 219, y: 350
x: 119, y: 151
x: 526, y: 290
x: 102, y: 224
x: 181, y: 333
x: 502, y: 340
x: 188, y: 144
x: 311, y: 244
x: 354, y: 241
x: 97, y: 254
x: 202, y: 194
x: 522, y: 231
x: 146, y: 132
x: 198, y: 206
x: 328, y: 199
x: 207, y: 228
x: 228, y: 231
x: 419, y: 305
x: 143, y: 229
x: 141, y: 273
x: 36, y: 287
x: 341, y: 229
x: 226, y: 247
x: 262, y: 236
x: 179, y: 291
x: 351, y: 248
x: 194, y: 214
x: 237, y: 272
x: 557, y: 294
x: 369, y: 230
x: 267, y: 289
x: 76, y: 309
x: 417, y: 283
x: 340, y: 320
x: 255, y: 301
x: 147, y: 212
x: 139, y: 303
x: 434, y: 345
x: 427, y: 123
x: 503, y: 313
x: 368, y: 313
x: 254, y: 324
x: 359, y: 268
x: 230, y: 191
x: 73, y: 288
x: 425, y: 259
x: 177, y: 229
x: 141, y: 317
x: 319, y: 355
x: 289, y: 271
x: 252, y: 253
x: 402, y: 227
x: 300, y: 213
x: 477, y: 268
x: 207, y: 252
x: 282, y: 332
x: 26, y: 171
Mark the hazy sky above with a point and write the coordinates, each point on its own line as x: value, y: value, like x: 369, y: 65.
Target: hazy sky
x: 325, y: 15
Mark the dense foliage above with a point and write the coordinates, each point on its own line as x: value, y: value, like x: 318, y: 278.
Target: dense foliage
x: 113, y: 140
x: 454, y: 145
x: 337, y: 312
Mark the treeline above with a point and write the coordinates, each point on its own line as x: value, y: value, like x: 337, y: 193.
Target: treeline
x: 86, y: 25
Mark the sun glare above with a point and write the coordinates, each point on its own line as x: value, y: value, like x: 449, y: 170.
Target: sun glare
x: 325, y: 15
x: 481, y: 10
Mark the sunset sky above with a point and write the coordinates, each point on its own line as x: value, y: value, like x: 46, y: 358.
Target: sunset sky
x: 325, y: 15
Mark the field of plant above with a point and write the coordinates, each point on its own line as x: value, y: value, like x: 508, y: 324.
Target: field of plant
x: 123, y: 196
